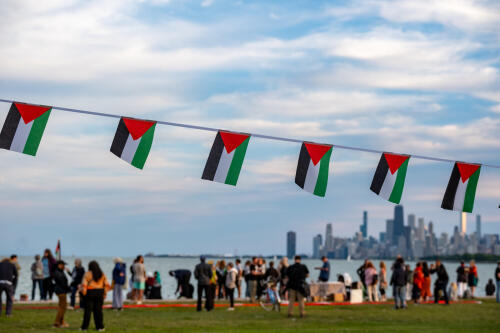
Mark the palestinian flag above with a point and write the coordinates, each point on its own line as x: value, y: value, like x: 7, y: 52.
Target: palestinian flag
x: 313, y: 167
x: 133, y: 140
x: 226, y: 157
x: 461, y: 188
x: 389, y: 178
x: 23, y: 127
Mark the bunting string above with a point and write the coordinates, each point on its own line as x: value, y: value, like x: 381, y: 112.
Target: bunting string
x: 255, y: 135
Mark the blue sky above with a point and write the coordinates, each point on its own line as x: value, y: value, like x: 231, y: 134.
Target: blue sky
x: 412, y: 76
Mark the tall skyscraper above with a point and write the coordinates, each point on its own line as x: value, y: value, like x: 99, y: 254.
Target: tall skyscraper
x: 411, y: 221
x: 317, y: 242
x: 364, y: 226
x: 478, y: 226
x: 463, y: 223
x: 421, y: 229
x: 291, y: 244
x: 329, y: 238
x: 399, y: 222
x: 389, y: 231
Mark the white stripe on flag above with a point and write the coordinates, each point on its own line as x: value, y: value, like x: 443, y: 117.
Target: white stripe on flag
x: 388, y: 185
x: 22, y: 133
x: 460, y: 195
x: 223, y: 167
x: 130, y: 149
x: 311, y: 177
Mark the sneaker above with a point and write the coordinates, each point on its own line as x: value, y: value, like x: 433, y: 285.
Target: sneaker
x: 101, y: 330
x: 230, y: 309
x: 55, y: 326
x: 64, y: 325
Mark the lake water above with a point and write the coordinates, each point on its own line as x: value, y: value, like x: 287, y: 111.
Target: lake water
x: 164, y: 265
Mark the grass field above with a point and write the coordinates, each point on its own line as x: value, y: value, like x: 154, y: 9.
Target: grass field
x: 426, y: 318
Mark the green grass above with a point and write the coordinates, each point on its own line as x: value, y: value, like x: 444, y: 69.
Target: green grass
x: 426, y: 318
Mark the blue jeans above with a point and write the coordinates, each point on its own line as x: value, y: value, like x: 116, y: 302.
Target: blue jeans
x: 399, y: 293
x: 40, y: 288
x: 498, y: 291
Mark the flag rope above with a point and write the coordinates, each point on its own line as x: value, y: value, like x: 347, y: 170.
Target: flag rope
x: 262, y: 136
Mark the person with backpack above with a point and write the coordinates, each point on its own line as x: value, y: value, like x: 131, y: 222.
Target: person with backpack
x: 297, y: 287
x: 119, y: 280
x: 37, y: 277
x: 441, y: 282
x: 95, y: 285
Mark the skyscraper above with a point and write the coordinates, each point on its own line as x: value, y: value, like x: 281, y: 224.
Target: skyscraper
x: 478, y: 226
x: 463, y: 223
x: 364, y: 226
x: 421, y: 229
x: 317, y: 242
x: 389, y: 231
x: 291, y: 244
x: 329, y: 238
x: 399, y: 222
x: 411, y: 221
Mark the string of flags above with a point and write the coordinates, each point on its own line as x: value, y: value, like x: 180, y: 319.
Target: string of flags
x: 25, y: 124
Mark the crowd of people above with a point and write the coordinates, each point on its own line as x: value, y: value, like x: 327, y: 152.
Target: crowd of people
x: 221, y: 280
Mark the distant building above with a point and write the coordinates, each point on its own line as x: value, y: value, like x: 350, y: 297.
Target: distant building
x: 364, y: 226
x: 291, y: 244
x: 478, y: 226
x: 329, y: 238
x: 389, y: 231
x: 421, y: 229
x: 463, y: 223
x: 399, y: 222
x: 411, y: 221
x: 317, y: 243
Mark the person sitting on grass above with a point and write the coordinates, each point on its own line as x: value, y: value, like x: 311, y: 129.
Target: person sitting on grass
x: 61, y: 288
x: 490, y: 288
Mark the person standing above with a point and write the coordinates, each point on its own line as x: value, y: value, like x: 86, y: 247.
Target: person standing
x: 76, y: 280
x: 37, y: 277
x: 119, y: 279
x: 361, y: 273
x: 49, y: 267
x: 282, y: 268
x: 409, y: 282
x: 240, y: 276
x: 426, y: 286
x: 261, y: 270
x: 246, y: 276
x: 473, y: 277
x: 212, y: 287
x: 202, y: 273
x: 297, y: 275
x: 418, y: 282
x: 441, y: 282
x: 139, y: 279
x: 324, y: 270
x: 383, y: 281
x: 61, y: 288
x: 220, y: 292
x: 497, y: 279
x: 231, y: 278
x: 252, y: 279
x: 8, y: 279
x: 94, y: 285
x: 13, y: 260
x: 461, y: 279
x: 398, y: 281
x: 371, y: 282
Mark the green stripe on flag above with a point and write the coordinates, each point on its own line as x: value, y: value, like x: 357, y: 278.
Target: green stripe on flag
x: 36, y: 133
x: 142, y: 152
x: 397, y: 190
x: 322, y: 180
x: 234, y: 170
x: 470, y: 192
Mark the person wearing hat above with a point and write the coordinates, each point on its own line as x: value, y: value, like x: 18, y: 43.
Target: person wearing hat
x: 61, y: 288
x: 119, y: 280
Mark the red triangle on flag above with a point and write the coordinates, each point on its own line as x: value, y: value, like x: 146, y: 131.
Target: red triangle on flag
x: 316, y: 151
x: 466, y: 170
x: 30, y: 112
x: 395, y: 161
x: 232, y: 140
x: 137, y: 127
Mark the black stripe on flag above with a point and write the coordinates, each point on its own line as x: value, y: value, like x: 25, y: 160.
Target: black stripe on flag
x: 9, y: 127
x: 380, y: 174
x: 302, y: 166
x: 451, y: 190
x: 120, y: 139
x: 213, y: 159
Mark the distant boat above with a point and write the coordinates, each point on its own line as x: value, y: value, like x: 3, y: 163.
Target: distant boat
x: 348, y: 258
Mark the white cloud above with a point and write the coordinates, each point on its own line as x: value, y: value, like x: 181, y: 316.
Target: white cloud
x: 207, y: 3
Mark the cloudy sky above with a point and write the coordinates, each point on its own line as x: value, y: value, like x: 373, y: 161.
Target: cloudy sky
x: 418, y: 77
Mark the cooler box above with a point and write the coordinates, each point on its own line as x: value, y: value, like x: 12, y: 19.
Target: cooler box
x: 338, y: 298
x: 356, y: 296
